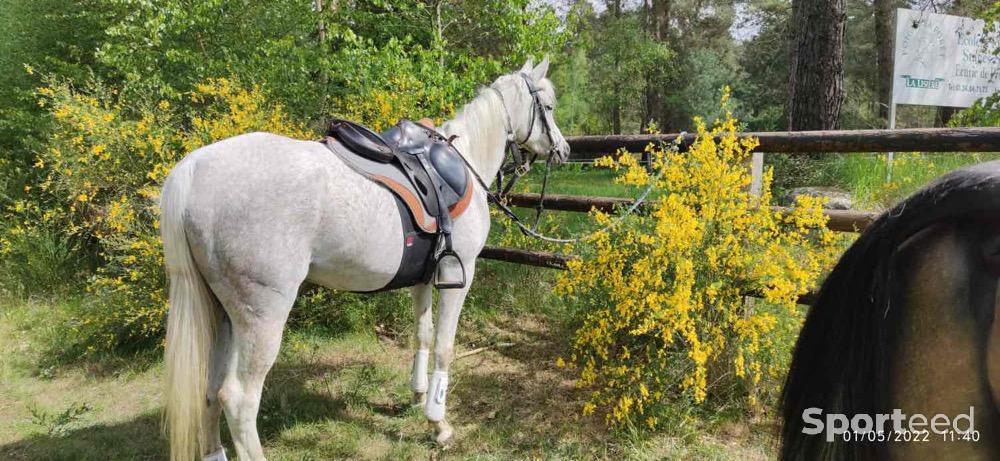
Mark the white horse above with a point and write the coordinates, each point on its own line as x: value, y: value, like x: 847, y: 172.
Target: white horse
x: 246, y: 220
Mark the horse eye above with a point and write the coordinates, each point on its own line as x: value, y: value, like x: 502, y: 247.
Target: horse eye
x: 548, y: 107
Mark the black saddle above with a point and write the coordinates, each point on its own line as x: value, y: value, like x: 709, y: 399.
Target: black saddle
x: 423, y: 169
x: 404, y: 144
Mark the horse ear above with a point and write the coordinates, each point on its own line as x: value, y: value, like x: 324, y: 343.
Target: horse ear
x: 527, y: 67
x: 539, y: 72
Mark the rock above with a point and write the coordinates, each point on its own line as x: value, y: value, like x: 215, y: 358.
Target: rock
x: 836, y: 198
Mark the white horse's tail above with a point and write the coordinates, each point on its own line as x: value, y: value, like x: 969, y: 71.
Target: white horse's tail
x: 191, y: 324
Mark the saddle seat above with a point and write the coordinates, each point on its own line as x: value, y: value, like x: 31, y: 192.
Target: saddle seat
x: 403, y: 159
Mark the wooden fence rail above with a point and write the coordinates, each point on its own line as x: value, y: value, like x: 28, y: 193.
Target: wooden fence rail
x: 840, y: 220
x: 556, y: 261
x: 905, y: 140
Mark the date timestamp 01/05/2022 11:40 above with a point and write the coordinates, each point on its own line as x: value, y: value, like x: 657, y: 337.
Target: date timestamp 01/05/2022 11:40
x: 911, y: 436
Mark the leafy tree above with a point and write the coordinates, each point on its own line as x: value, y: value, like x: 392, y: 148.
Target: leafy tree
x: 161, y: 49
x: 622, y: 58
x: 36, y: 37
x: 705, y: 61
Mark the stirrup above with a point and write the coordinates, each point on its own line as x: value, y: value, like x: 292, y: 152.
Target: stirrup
x: 438, y: 283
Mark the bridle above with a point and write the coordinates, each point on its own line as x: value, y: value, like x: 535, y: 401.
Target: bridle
x: 514, y: 162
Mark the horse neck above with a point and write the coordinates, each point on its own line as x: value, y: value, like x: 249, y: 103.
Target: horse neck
x: 480, y: 132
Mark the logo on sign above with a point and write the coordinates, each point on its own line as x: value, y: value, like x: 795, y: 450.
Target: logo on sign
x: 922, y: 83
x: 924, y: 43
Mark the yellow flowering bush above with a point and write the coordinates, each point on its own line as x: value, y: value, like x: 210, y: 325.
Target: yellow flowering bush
x: 102, y: 169
x: 662, y: 296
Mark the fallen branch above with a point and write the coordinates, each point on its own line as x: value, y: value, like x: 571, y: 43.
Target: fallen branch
x: 479, y: 350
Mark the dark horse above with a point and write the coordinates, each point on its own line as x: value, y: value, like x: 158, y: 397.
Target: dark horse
x: 904, y: 330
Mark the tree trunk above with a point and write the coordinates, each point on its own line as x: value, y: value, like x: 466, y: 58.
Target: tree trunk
x: 657, y: 23
x: 321, y: 28
x: 616, y: 119
x: 815, y: 89
x: 883, y: 51
x: 650, y: 90
x: 944, y: 115
x: 616, y: 110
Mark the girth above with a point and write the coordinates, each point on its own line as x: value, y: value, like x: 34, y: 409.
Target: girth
x: 427, y: 176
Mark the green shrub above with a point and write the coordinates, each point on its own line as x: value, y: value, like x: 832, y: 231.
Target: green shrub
x: 38, y: 261
x: 319, y: 309
x: 100, y: 177
x: 381, y: 84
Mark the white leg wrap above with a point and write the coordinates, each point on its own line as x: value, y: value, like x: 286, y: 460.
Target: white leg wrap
x: 418, y: 377
x: 434, y: 409
x: 217, y: 455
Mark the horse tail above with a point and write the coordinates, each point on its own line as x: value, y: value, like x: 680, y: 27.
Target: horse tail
x: 191, y: 324
x: 841, y: 360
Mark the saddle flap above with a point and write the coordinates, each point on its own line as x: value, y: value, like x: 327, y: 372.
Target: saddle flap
x: 449, y: 166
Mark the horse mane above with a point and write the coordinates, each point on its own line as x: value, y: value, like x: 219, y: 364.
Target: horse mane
x: 480, y: 127
x: 841, y: 363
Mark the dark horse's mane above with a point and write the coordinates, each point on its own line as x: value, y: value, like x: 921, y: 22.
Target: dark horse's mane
x: 841, y: 360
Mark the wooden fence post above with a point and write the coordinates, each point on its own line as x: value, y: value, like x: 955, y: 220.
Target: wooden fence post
x: 756, y: 173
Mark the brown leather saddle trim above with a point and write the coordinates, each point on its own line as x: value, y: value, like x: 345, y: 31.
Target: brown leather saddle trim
x: 425, y: 221
x: 390, y: 178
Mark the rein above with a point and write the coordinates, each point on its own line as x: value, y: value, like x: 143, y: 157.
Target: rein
x: 520, y: 167
x: 501, y: 202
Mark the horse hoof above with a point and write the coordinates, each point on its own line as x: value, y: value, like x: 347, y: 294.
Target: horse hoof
x: 444, y: 433
x: 419, y: 398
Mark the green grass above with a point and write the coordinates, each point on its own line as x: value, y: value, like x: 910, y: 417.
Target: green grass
x: 865, y: 175
x: 574, y: 179
x: 345, y: 396
x: 570, y: 179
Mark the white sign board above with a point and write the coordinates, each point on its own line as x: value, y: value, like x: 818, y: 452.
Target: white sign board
x: 941, y: 60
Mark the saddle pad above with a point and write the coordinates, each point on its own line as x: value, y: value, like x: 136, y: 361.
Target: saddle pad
x: 417, y: 263
x: 390, y: 176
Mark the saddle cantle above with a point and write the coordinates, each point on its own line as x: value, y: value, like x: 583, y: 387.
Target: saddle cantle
x: 425, y: 173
